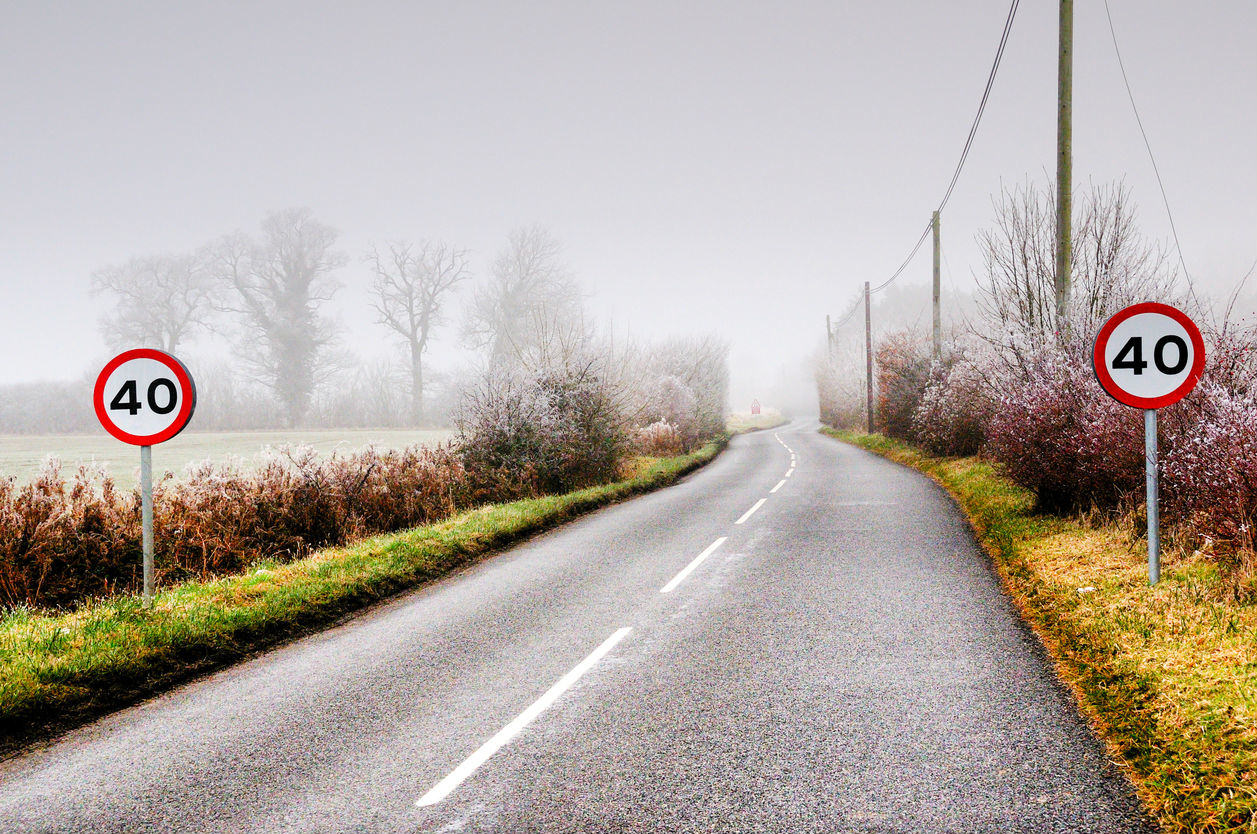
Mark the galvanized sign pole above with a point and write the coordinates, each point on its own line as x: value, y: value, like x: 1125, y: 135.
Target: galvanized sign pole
x: 1151, y: 487
x: 146, y: 518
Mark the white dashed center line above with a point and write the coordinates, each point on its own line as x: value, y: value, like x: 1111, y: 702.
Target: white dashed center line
x: 469, y: 765
x: 698, y: 560
x: 751, y: 511
x: 779, y: 485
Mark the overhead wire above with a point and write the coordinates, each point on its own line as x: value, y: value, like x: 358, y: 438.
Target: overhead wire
x: 1148, y: 145
x: 964, y: 155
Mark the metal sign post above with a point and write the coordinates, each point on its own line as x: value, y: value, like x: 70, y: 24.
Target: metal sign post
x: 146, y: 518
x: 1154, y: 510
x: 144, y: 397
x: 1149, y: 356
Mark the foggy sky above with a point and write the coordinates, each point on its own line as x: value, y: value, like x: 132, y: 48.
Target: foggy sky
x: 738, y: 168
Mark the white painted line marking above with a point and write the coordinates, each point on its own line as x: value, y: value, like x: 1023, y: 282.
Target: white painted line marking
x: 751, y: 511
x: 469, y: 765
x: 676, y: 580
x: 790, y: 472
x: 779, y: 485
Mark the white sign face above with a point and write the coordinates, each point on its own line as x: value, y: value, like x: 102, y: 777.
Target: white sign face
x: 1149, y: 355
x: 144, y: 397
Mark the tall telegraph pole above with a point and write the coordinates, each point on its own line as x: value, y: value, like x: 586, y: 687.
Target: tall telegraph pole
x: 1064, y: 163
x: 938, y: 316
x: 868, y: 356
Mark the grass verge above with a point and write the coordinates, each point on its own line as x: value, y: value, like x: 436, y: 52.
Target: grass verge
x: 1168, y: 674
x: 58, y: 671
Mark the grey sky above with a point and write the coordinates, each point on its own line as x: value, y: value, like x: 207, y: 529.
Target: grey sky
x: 729, y: 167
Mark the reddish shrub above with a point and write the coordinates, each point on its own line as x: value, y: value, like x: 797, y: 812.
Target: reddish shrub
x: 62, y: 541
x: 1057, y: 433
x: 1209, y: 474
x: 903, y: 369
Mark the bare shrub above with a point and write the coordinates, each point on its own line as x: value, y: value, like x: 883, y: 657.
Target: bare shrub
x: 1113, y: 266
x: 839, y: 390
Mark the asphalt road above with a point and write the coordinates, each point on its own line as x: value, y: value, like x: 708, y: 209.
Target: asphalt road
x: 800, y: 637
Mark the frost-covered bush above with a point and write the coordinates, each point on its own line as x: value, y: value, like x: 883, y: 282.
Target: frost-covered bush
x: 957, y: 406
x: 686, y: 381
x: 903, y: 369
x: 659, y: 439
x: 65, y: 539
x: 523, y: 433
x: 1057, y: 433
x: 669, y: 401
x: 1209, y: 474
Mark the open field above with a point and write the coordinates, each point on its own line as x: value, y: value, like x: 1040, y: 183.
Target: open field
x: 22, y: 455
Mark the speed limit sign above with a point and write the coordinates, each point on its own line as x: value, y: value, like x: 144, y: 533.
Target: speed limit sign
x: 144, y: 396
x: 1149, y: 356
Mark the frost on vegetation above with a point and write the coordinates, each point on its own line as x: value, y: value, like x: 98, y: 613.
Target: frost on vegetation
x: 1019, y: 388
x: 564, y: 423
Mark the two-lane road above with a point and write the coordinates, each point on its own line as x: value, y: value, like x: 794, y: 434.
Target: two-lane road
x: 800, y: 637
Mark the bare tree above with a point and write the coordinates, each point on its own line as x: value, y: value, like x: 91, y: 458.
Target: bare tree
x: 159, y: 300
x: 409, y: 292
x: 278, y: 283
x: 1113, y: 266
x: 529, y: 296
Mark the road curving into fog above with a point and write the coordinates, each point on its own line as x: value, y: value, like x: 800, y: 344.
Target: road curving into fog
x: 799, y: 637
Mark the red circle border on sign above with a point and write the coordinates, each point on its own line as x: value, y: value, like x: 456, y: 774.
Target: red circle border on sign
x: 1114, y: 390
x: 187, y: 396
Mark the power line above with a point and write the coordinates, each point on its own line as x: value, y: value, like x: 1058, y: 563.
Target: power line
x: 924, y: 233
x: 1164, y: 199
x: 964, y: 155
x: 986, y: 94
x: 973, y: 132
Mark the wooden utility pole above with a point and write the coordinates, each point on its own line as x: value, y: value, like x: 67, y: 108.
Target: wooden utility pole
x: 938, y: 316
x: 868, y: 356
x: 1064, y: 165
x: 829, y: 338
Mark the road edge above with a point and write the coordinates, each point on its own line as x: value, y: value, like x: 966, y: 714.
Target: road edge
x: 1111, y: 699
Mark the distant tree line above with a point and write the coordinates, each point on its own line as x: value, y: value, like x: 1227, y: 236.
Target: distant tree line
x: 271, y: 295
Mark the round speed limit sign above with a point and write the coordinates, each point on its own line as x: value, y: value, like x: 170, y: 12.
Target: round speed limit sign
x: 144, y: 396
x: 1149, y: 355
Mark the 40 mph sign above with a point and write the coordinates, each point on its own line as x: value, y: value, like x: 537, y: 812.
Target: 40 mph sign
x: 1148, y: 356
x: 144, y: 397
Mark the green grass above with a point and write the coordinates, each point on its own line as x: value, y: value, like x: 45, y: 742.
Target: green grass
x: 57, y: 671
x: 21, y: 456
x: 1168, y: 674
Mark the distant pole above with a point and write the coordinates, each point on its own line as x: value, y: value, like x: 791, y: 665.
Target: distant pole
x: 146, y: 519
x: 938, y: 316
x: 868, y: 357
x: 829, y: 337
x: 1064, y: 164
